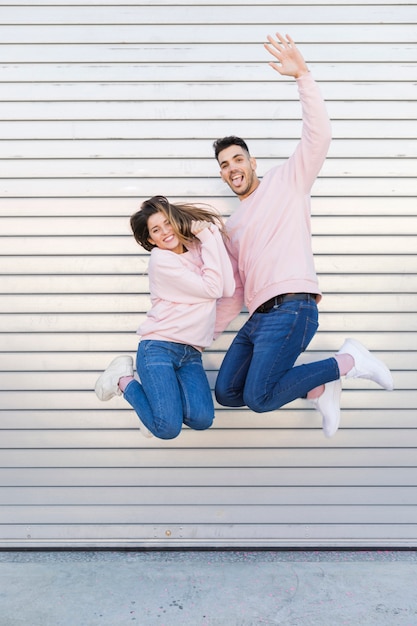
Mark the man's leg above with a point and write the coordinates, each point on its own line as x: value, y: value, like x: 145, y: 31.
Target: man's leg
x: 231, y: 378
x: 279, y: 337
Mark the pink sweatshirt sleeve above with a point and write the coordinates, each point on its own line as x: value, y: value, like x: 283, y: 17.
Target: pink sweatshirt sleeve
x: 229, y: 307
x: 173, y: 281
x: 226, y: 265
x: 316, y: 134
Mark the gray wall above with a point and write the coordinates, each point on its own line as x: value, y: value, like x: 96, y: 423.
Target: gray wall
x: 104, y: 104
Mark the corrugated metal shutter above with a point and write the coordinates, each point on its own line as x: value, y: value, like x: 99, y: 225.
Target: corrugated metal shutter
x: 106, y: 103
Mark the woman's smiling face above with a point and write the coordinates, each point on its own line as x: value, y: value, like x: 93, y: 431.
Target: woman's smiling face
x: 162, y: 235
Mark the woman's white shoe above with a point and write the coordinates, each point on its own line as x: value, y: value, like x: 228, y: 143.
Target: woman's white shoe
x: 107, y: 385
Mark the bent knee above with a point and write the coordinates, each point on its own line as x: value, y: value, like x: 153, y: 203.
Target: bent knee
x: 202, y: 424
x: 260, y: 406
x: 218, y: 393
x: 220, y: 397
x: 167, y: 433
x: 227, y: 399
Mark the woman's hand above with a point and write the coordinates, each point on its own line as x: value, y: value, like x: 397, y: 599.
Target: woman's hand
x: 198, y: 225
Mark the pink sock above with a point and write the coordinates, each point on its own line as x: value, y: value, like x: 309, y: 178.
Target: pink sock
x: 315, y: 393
x: 345, y: 362
x: 124, y: 381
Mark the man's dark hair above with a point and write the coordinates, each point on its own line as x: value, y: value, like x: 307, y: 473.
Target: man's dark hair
x: 225, y: 142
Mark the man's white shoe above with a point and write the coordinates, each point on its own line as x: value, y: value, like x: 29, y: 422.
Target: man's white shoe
x: 367, y: 365
x: 107, y: 385
x: 328, y: 404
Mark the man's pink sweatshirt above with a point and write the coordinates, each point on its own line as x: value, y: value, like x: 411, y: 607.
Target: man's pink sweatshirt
x: 270, y: 231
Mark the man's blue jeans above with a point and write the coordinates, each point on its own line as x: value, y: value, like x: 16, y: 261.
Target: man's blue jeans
x: 173, y: 390
x: 258, y: 369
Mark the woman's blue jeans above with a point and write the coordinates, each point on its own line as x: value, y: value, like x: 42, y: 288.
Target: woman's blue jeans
x: 173, y: 390
x: 258, y: 369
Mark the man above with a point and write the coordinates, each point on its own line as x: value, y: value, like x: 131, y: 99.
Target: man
x: 270, y: 248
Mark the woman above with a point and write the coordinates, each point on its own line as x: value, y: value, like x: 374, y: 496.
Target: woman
x: 189, y: 269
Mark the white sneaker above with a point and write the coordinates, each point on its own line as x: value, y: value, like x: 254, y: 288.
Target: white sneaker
x: 107, y: 385
x: 366, y: 365
x: 328, y: 404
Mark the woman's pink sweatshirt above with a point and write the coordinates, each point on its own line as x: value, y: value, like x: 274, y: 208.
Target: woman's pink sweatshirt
x: 184, y: 289
x: 270, y: 231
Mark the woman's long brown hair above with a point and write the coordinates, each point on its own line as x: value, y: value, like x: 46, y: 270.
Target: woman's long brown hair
x: 179, y: 215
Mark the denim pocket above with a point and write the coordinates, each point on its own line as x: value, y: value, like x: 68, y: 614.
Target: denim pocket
x: 311, y: 324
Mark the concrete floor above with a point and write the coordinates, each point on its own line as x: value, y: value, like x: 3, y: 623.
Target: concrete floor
x: 208, y: 588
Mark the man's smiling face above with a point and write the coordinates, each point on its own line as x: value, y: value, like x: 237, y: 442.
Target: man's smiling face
x: 238, y: 170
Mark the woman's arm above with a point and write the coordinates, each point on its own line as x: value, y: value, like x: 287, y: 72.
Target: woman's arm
x: 171, y: 279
